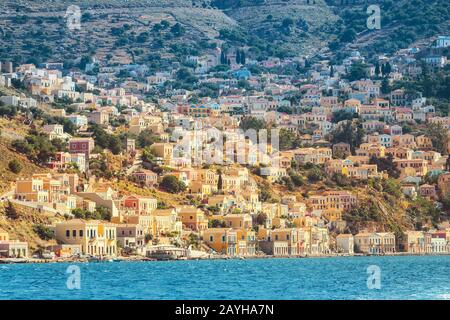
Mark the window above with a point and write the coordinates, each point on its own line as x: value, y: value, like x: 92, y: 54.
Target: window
x: 211, y: 239
x: 67, y: 233
x: 81, y: 233
x: 74, y: 233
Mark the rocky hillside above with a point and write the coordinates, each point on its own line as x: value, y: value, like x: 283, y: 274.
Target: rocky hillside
x: 25, y: 224
x: 158, y: 33
x: 7, y: 154
x: 403, y: 23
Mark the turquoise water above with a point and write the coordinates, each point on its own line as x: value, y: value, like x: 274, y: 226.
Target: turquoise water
x: 421, y: 277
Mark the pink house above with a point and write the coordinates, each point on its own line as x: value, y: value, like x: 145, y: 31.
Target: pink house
x: 139, y: 205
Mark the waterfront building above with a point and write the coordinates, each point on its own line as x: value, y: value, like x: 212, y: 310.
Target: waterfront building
x: 345, y: 243
x: 96, y: 238
x: 13, y: 249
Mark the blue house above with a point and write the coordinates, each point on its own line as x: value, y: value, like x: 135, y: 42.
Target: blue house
x: 243, y: 73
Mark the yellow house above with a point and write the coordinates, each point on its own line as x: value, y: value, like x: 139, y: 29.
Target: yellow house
x: 96, y: 238
x: 238, y: 221
x: 202, y: 189
x: 31, y: 190
x: 145, y: 221
x: 163, y: 150
x: 341, y: 200
x: 221, y: 201
x: 332, y: 214
x: 423, y: 141
x: 353, y: 104
x: 4, y: 236
x: 415, y: 167
x: 281, y: 242
x: 230, y: 183
x: 444, y: 184
x: 246, y: 242
x: 192, y: 218
x: 221, y: 240
x: 250, y: 196
x: 279, y: 222
x: 207, y: 176
x: 165, y: 221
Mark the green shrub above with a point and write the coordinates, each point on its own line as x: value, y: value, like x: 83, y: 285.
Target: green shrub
x: 15, y: 166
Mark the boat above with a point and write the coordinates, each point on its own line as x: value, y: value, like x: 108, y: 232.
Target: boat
x: 164, y: 253
x: 99, y: 259
x: 93, y: 259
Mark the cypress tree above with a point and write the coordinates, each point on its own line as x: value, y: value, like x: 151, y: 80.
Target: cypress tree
x: 377, y: 69
x: 222, y: 58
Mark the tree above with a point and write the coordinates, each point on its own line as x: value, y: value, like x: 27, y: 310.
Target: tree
x: 252, y: 123
x: 79, y: 213
x: 446, y: 202
x: 215, y: 223
x: 223, y: 58
x: 261, y: 218
x: 148, y: 155
x: 288, y: 140
x: 387, y: 68
x: 377, y: 69
x: 100, y: 213
x: 115, y: 145
x: 105, y: 140
x: 348, y: 36
x: 177, y: 30
x: 11, y: 212
x: 341, y: 180
x: 287, y: 181
x: 359, y: 216
x: 341, y: 115
x: 38, y: 147
x: 104, y: 213
x: 165, y: 24
x: 171, y: 184
x: 385, y: 86
x: 44, y: 232
x: 147, y: 138
x: 423, y: 211
x: 265, y: 195
x: 315, y: 175
x: 220, y: 183
x: 297, y: 180
x: 15, y: 166
x: 243, y: 58
x: 358, y: 71
x: 386, y: 164
x: 439, y: 137
x: 287, y: 23
x: 351, y: 133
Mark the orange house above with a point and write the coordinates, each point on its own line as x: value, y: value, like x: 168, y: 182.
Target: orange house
x: 193, y: 218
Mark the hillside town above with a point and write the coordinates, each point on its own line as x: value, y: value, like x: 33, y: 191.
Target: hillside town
x: 255, y: 163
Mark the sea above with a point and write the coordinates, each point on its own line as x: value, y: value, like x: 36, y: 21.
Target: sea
x: 340, y: 278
